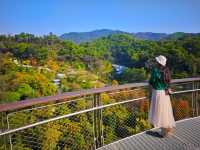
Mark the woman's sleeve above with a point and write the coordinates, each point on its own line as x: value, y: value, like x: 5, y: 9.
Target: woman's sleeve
x: 152, y: 78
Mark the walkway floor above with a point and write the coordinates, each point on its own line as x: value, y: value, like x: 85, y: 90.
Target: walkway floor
x: 186, y: 137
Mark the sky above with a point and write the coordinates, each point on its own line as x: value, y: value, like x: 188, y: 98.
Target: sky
x: 61, y: 16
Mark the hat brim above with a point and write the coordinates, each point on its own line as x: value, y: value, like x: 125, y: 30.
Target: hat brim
x: 157, y: 59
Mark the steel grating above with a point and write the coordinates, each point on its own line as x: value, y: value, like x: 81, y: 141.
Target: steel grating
x: 186, y: 137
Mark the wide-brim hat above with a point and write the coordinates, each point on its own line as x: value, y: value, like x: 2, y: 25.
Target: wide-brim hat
x: 161, y: 60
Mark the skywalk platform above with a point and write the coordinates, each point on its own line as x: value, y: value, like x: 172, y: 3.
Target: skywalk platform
x: 186, y: 137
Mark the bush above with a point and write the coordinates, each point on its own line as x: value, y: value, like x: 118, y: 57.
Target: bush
x: 9, y: 96
x: 132, y: 75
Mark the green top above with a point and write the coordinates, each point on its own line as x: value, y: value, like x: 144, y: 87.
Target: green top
x: 157, y: 80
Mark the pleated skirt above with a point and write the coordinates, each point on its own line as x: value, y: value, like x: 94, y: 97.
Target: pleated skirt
x: 160, y: 113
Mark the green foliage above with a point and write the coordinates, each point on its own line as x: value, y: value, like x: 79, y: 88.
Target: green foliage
x: 79, y: 65
x: 86, y: 65
x: 9, y: 97
x: 42, y: 55
x: 26, y: 91
x: 131, y: 75
x: 98, y: 55
x: 34, y: 81
x: 52, y: 136
x: 7, y: 66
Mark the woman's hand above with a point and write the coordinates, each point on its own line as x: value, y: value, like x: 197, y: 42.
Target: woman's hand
x: 168, y: 91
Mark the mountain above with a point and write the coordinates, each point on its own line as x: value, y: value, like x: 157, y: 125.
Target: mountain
x: 178, y: 35
x: 79, y: 37
x: 150, y: 35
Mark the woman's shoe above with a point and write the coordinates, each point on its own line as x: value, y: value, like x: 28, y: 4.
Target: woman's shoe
x: 171, y: 131
x: 163, y: 132
x: 166, y: 132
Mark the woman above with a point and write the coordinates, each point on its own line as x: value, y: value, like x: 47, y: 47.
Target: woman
x: 161, y: 114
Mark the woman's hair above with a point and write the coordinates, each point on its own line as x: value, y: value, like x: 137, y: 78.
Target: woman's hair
x: 166, y: 74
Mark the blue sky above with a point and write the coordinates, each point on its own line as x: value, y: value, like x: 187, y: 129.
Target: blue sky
x: 60, y: 16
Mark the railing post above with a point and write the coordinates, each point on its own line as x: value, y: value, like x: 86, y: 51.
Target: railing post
x: 10, y: 136
x: 196, y: 98
x: 98, y: 124
x: 3, y: 127
x: 195, y: 105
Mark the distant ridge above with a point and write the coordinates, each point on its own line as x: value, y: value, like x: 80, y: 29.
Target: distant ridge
x: 150, y: 35
x: 178, y: 35
x: 79, y: 37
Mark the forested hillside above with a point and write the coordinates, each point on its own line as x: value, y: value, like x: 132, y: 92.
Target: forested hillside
x: 183, y: 54
x: 80, y: 37
x: 29, y: 64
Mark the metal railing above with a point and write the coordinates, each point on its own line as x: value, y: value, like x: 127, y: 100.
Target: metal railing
x: 88, y: 119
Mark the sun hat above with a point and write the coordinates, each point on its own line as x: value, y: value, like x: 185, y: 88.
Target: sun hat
x: 161, y: 60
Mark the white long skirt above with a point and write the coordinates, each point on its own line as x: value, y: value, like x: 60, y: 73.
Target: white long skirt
x: 160, y: 113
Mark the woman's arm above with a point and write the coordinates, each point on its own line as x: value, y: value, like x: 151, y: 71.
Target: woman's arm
x: 152, y: 77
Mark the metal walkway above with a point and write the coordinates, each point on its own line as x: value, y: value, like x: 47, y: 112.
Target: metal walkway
x: 186, y: 137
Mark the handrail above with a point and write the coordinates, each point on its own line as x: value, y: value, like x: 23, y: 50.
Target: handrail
x: 65, y: 96
x: 83, y: 111
x: 68, y: 115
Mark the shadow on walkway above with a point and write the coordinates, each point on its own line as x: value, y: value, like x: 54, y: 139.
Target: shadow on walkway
x: 154, y: 133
